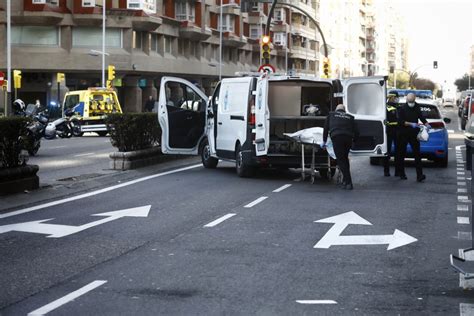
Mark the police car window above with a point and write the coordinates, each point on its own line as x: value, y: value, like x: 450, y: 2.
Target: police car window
x: 430, y: 112
x: 364, y: 99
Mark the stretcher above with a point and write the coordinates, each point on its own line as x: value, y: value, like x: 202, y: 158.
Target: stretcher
x: 322, y: 159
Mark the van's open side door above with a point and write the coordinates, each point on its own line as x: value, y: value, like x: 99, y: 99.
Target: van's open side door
x: 365, y: 99
x: 182, y: 114
x: 262, y: 117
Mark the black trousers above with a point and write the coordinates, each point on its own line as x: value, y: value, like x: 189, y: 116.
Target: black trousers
x: 392, y: 138
x: 408, y: 136
x: 342, y: 145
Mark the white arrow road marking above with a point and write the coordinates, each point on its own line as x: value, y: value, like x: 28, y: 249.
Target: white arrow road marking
x: 333, y: 236
x: 66, y: 299
x: 58, y: 231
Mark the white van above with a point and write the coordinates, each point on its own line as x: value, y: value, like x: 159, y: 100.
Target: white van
x: 245, y: 118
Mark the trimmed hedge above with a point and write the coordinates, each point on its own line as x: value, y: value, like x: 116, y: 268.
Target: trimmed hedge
x: 11, y: 130
x: 133, y: 131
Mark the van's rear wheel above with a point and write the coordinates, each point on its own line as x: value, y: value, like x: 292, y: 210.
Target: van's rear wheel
x: 207, y: 160
x: 242, y: 168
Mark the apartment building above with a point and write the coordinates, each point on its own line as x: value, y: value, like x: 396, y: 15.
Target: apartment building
x: 472, y: 61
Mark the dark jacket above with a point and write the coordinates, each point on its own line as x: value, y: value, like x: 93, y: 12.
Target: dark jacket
x: 410, y: 115
x: 149, y: 105
x: 340, y: 123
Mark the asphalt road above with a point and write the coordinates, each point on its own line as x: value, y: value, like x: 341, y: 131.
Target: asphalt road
x: 77, y: 157
x: 191, y: 256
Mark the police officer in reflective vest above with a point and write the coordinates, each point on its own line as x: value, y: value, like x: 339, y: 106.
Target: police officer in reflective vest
x: 392, y: 134
x: 343, y: 131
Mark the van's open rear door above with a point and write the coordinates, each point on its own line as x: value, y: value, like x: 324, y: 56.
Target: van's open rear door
x: 262, y: 117
x: 365, y: 99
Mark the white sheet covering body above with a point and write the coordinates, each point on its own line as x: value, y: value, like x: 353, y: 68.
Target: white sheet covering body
x: 313, y: 135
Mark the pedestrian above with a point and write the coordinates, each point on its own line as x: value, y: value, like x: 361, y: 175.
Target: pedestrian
x: 343, y: 131
x: 408, y: 116
x: 150, y: 104
x: 392, y: 134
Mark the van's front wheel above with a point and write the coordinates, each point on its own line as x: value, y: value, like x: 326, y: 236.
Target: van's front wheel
x: 208, y: 161
x: 242, y: 168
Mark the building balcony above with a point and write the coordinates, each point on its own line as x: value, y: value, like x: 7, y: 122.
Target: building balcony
x: 232, y: 40
x: 189, y: 30
x: 303, y: 53
x: 305, y: 31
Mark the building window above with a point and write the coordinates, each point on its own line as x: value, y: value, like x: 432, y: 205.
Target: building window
x: 182, y: 43
x: 195, y: 51
x: 228, y: 23
x: 52, y: 2
x: 154, y: 42
x: 279, y: 38
x: 35, y: 35
x: 255, y: 31
x: 280, y: 15
x: 168, y: 42
x: 148, y: 6
x: 92, y: 37
x: 184, y: 10
x: 137, y: 40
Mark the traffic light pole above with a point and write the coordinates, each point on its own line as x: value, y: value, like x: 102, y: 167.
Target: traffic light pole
x: 9, y: 59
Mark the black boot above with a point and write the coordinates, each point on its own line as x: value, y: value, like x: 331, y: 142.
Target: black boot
x: 403, y: 177
x: 386, y: 173
x: 421, y: 178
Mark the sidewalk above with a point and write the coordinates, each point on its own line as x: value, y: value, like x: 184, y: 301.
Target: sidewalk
x: 77, y: 186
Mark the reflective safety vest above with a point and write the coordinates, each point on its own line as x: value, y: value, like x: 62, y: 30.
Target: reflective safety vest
x: 392, y: 119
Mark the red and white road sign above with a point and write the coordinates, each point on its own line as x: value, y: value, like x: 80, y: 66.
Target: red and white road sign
x: 267, y: 68
x: 2, y: 78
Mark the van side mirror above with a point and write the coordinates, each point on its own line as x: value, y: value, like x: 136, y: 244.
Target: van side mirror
x: 447, y: 120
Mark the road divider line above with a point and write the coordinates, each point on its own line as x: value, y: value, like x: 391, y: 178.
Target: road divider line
x: 66, y: 299
x: 315, y: 302
x: 462, y: 190
x: 463, y: 220
x: 252, y: 204
x: 463, y: 208
x: 461, y: 173
x: 83, y: 155
x: 219, y: 220
x: 286, y: 186
x: 461, y: 183
x: 93, y: 193
x: 461, y: 178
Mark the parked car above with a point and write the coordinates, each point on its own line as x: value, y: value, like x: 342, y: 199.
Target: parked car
x: 466, y: 110
x: 245, y: 119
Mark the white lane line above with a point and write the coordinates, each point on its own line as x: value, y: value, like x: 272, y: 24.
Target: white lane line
x: 313, y: 302
x: 463, y: 208
x: 468, y: 255
x: 66, y: 299
x: 89, y: 194
x: 286, y: 186
x: 461, y: 173
x: 252, y: 204
x: 460, y: 169
x: 463, y: 220
x: 219, y: 220
x: 459, y: 183
x: 465, y: 235
x: 462, y: 197
x: 462, y: 190
x: 56, y: 147
x: 461, y: 178
x: 86, y: 154
x: 460, y: 147
x: 450, y: 131
x: 466, y: 309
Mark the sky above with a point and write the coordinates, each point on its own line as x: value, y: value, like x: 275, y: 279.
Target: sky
x: 441, y: 30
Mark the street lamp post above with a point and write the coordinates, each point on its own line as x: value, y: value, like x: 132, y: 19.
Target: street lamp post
x: 9, y: 57
x: 104, y: 6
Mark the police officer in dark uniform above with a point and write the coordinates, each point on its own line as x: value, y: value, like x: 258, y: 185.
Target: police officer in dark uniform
x: 343, y: 131
x: 392, y: 134
x: 408, y: 116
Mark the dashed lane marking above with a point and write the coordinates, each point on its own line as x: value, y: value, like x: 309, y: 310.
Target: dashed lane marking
x: 462, y: 197
x: 461, y: 173
x: 466, y: 309
x: 462, y: 190
x: 461, y: 178
x: 89, y: 194
x: 314, y: 302
x: 286, y: 186
x: 463, y: 220
x: 219, y: 220
x: 461, y: 183
x: 66, y: 299
x: 450, y: 131
x: 260, y: 199
x: 465, y: 235
x: 463, y: 208
x: 83, y: 155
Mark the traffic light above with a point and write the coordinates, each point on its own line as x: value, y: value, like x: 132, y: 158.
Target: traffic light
x: 435, y: 64
x: 111, y: 73
x: 266, y: 49
x: 60, y: 77
x: 326, y: 67
x: 17, y: 79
